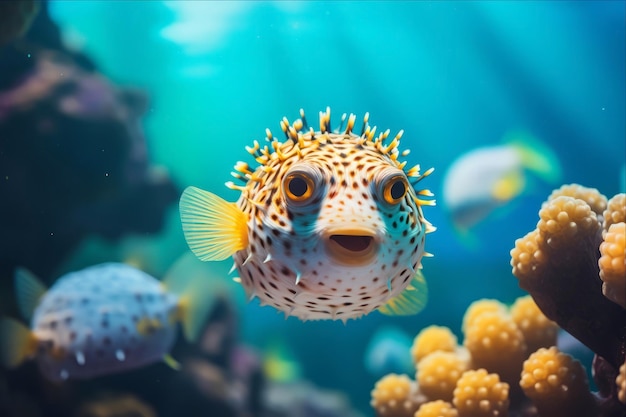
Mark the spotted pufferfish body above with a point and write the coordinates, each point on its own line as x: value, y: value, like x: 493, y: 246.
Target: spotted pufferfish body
x: 103, y: 319
x: 329, y: 225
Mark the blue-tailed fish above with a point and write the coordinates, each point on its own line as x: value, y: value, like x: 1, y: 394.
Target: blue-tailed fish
x: 106, y: 318
x: 329, y: 225
x: 485, y: 178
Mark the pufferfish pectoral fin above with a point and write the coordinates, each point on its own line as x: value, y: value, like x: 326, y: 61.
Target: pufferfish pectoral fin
x: 214, y: 228
x: 411, y: 301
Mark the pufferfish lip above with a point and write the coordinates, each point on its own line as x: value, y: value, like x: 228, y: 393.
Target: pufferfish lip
x: 352, y: 247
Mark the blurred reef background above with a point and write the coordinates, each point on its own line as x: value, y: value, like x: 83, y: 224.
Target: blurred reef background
x: 108, y: 109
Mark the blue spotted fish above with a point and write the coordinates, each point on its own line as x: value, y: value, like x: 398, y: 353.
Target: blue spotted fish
x: 329, y: 225
x: 106, y: 318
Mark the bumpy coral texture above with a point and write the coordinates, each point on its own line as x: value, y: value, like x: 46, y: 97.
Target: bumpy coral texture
x: 573, y: 266
x: 481, y: 394
x: 594, y: 199
x: 612, y: 263
x: 620, y: 381
x: 537, y: 329
x: 394, y: 396
x: 438, y: 373
x: 479, y: 307
x: 496, y: 344
x: 565, y: 218
x: 557, y: 384
x: 438, y: 408
x: 557, y: 263
x: 497, y: 335
x: 615, y: 211
x: 431, y: 339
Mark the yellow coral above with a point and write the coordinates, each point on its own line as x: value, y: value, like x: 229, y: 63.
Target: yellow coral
x: 527, y: 258
x: 557, y: 384
x: 594, y: 199
x: 395, y: 396
x: 615, y: 211
x: 438, y: 373
x: 621, y: 383
x: 481, y: 306
x: 480, y: 394
x: 612, y: 264
x: 562, y: 219
x: 432, y: 339
x: 537, y: 329
x: 438, y: 408
x: 496, y: 344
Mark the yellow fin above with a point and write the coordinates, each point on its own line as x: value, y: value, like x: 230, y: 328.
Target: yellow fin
x: 28, y: 290
x: 198, y: 286
x: 171, y: 362
x: 411, y: 301
x: 214, y: 228
x: 279, y: 362
x: 536, y: 156
x: 17, y: 342
x: 508, y: 187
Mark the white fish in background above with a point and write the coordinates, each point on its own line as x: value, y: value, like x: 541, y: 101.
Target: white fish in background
x: 486, y: 178
x: 106, y: 318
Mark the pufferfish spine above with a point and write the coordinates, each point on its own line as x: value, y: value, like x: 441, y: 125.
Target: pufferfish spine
x: 328, y: 225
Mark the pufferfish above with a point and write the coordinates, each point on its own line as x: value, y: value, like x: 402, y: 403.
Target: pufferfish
x: 329, y: 225
x: 105, y: 319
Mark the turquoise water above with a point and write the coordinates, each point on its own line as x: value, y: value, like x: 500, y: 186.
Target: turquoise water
x: 454, y: 75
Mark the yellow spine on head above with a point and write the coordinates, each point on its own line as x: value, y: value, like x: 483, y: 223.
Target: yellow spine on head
x: 214, y: 228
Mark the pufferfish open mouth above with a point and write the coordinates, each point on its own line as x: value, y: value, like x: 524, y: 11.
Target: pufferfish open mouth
x: 351, y: 247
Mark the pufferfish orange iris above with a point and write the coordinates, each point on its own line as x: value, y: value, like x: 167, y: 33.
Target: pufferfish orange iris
x: 328, y: 226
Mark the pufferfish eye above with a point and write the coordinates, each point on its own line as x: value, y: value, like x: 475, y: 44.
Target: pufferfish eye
x: 298, y: 187
x: 395, y: 189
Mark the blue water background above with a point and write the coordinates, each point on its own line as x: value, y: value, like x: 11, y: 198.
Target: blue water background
x: 454, y: 75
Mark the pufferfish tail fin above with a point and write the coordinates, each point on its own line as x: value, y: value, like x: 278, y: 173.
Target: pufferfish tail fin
x: 410, y: 301
x: 214, y: 228
x: 536, y: 156
x: 199, y: 287
x: 17, y: 343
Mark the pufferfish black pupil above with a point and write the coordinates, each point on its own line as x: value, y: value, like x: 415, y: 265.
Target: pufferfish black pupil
x: 397, y: 190
x: 298, y: 186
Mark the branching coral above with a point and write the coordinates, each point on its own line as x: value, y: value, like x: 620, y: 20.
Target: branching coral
x: 620, y: 381
x: 573, y: 266
x: 557, y: 384
x: 562, y: 265
x: 494, y: 341
x: 396, y: 396
x: 438, y: 373
x: 557, y: 263
x: 615, y: 211
x: 538, y: 331
x: 438, y: 408
x: 479, y: 307
x: 481, y: 394
x: 432, y: 339
x: 496, y: 344
x: 612, y: 263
